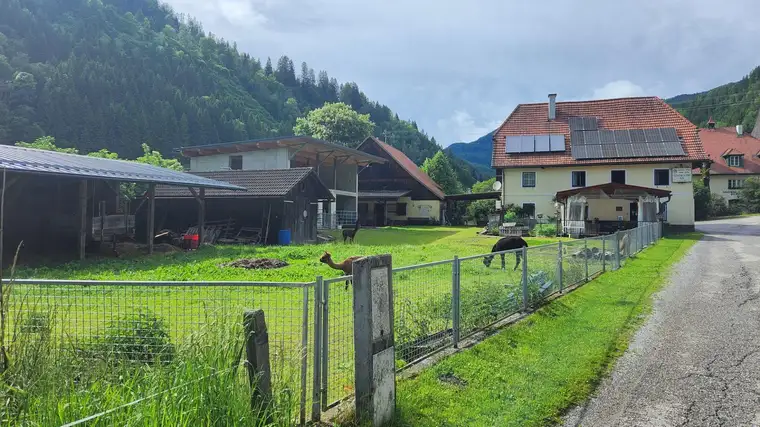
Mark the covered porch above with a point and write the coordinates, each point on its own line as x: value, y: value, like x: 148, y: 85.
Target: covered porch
x: 607, y: 208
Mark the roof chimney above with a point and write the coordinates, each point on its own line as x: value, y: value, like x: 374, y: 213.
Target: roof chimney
x: 739, y: 130
x: 711, y: 123
x: 552, y: 106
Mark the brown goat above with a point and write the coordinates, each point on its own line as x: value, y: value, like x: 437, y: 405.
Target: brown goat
x: 346, y: 266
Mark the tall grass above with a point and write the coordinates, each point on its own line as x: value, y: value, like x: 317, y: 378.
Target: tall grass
x: 49, y: 380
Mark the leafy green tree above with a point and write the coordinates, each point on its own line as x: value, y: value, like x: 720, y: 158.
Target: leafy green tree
x: 155, y: 158
x: 104, y: 154
x: 335, y: 122
x: 46, y: 143
x: 479, y: 210
x: 750, y: 195
x: 439, y: 168
x: 702, y: 199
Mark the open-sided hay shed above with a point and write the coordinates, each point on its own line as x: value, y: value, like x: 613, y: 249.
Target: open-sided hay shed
x: 49, y: 200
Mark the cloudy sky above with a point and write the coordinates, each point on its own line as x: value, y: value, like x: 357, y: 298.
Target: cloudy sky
x: 458, y: 68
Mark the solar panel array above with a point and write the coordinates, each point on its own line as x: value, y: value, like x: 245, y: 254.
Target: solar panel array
x: 589, y: 142
x: 535, y: 144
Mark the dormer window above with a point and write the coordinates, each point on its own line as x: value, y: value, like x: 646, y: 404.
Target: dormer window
x: 734, y: 161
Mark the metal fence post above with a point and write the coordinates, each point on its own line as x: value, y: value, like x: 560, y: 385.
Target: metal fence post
x: 617, y: 250
x: 316, y: 408
x: 604, y: 255
x: 455, y: 303
x: 305, y: 356
x: 559, y: 266
x: 585, y: 256
x: 325, y: 340
x: 526, y: 302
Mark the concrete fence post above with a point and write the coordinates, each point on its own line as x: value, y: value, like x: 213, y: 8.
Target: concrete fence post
x: 604, y: 255
x: 374, y: 345
x: 559, y: 266
x: 455, y: 300
x: 526, y: 297
x: 617, y: 250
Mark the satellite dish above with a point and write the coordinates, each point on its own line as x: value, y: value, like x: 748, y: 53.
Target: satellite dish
x: 496, y: 186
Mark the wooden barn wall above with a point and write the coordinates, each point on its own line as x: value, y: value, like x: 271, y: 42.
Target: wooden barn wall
x: 390, y: 176
x: 180, y: 214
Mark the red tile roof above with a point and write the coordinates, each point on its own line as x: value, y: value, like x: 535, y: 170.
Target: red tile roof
x: 613, y: 114
x: 408, y: 165
x: 722, y: 141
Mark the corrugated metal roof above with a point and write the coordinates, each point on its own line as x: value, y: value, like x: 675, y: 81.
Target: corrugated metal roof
x: 31, y: 160
x: 258, y: 183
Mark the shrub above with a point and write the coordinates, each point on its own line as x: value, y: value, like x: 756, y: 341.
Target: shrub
x: 140, y: 337
x: 720, y: 207
x: 544, y: 230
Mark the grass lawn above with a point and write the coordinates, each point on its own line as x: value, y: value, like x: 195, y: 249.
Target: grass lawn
x: 409, y: 245
x: 531, y: 372
x: 202, y: 324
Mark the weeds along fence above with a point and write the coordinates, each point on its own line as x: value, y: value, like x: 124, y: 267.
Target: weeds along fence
x: 79, y: 348
x: 128, y: 351
x: 438, y: 304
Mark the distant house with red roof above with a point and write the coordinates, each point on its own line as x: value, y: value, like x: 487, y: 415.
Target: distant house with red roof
x: 397, y: 191
x: 735, y: 157
x: 599, y: 165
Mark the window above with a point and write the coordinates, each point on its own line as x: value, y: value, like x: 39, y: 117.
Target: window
x: 236, y: 163
x: 618, y: 177
x: 401, y: 209
x: 529, y: 209
x: 734, y: 161
x: 662, y: 177
x: 528, y: 179
x: 735, y: 184
x: 578, y: 178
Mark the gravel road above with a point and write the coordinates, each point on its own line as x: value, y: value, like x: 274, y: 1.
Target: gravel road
x: 696, y: 361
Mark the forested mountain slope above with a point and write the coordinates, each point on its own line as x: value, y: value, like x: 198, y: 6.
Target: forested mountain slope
x: 732, y: 104
x: 117, y: 73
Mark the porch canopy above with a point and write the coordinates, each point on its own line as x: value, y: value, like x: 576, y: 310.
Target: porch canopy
x: 575, y: 201
x: 612, y: 190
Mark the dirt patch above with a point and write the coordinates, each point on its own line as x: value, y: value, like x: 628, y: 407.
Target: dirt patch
x: 256, y: 263
x: 452, y: 379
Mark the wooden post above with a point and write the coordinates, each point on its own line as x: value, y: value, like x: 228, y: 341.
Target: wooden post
x: 151, y: 216
x: 374, y: 363
x: 257, y: 352
x: 82, y: 217
x: 201, y: 215
x: 102, y: 209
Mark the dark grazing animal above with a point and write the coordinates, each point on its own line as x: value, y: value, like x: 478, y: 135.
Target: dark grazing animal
x: 505, y: 244
x: 350, y: 233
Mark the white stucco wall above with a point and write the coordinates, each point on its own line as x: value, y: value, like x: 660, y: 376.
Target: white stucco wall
x: 277, y: 158
x: 551, y: 180
x: 719, y: 185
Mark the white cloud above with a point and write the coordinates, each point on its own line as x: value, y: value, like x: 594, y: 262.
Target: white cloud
x: 462, y: 127
x: 618, y: 89
x: 439, y: 62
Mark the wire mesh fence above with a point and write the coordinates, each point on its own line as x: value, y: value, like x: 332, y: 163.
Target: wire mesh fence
x: 68, y: 335
x: 146, y: 333
x: 487, y: 292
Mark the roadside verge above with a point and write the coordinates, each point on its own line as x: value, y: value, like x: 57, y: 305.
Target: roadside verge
x: 531, y: 372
